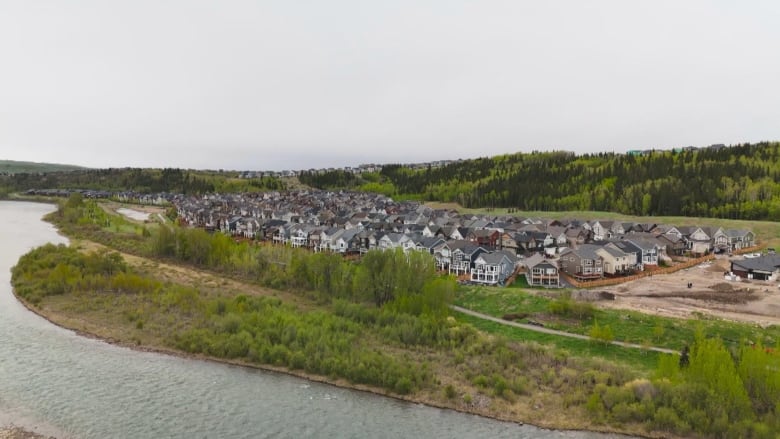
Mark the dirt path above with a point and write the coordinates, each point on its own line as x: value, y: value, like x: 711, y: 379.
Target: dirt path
x: 544, y: 330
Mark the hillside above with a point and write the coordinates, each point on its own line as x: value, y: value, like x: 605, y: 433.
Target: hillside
x: 16, y: 167
x: 737, y: 182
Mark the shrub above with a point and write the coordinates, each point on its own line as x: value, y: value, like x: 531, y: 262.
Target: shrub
x: 403, y: 386
x: 449, y: 391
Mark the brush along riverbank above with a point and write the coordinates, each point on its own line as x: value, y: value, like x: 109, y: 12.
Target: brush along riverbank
x: 383, y: 322
x: 442, y: 363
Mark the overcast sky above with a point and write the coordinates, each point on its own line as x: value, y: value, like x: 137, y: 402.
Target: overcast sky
x: 299, y: 84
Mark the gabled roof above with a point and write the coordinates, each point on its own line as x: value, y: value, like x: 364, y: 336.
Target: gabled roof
x: 429, y: 242
x: 643, y: 243
x: 349, y: 234
x: 613, y: 251
x: 627, y: 246
x: 736, y: 233
x: 466, y: 247
x: 585, y: 251
x: 538, y: 259
x: 494, y: 258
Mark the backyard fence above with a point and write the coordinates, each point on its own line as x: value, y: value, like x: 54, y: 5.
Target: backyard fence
x: 619, y: 280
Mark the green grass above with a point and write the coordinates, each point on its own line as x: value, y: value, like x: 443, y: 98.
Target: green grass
x: 641, y: 361
x: 628, y: 326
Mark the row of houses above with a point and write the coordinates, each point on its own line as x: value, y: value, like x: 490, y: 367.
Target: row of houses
x: 482, y: 248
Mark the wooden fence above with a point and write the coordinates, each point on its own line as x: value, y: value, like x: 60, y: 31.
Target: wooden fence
x: 619, y: 280
x: 754, y: 249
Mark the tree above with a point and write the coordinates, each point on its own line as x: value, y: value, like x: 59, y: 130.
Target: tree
x: 602, y: 334
x: 384, y: 275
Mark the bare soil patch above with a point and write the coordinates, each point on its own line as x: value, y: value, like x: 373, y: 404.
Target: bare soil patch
x: 710, y: 294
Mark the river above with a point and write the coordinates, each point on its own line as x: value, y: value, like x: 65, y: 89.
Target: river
x: 56, y: 382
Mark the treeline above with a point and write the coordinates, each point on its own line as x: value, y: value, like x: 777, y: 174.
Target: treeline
x: 336, y: 179
x: 737, y: 182
x: 171, y: 180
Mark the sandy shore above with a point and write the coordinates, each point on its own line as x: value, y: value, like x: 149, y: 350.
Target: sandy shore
x: 13, y: 432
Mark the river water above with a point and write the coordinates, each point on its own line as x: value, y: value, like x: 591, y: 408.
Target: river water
x: 56, y: 382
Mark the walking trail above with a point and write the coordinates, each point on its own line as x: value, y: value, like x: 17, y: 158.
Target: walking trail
x: 544, y: 330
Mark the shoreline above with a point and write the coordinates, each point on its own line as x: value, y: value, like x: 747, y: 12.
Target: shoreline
x: 12, y: 431
x: 340, y: 383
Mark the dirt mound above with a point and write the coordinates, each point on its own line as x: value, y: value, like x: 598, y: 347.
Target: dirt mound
x: 719, y: 266
x: 514, y: 316
x: 590, y: 295
x: 722, y: 287
x: 734, y: 297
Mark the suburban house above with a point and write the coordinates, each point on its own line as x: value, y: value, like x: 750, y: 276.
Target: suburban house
x: 485, y: 238
x: 464, y: 253
x: 733, y: 239
x: 762, y: 268
x: 648, y: 247
x: 576, y: 236
x: 525, y: 242
x: 631, y: 249
x: 428, y: 244
x: 558, y: 235
x: 542, y: 272
x: 508, y: 241
x: 346, y: 242
x: 673, y: 244
x: 601, y: 230
x: 492, y: 268
x: 698, y: 239
x: 615, y: 260
x: 583, y: 263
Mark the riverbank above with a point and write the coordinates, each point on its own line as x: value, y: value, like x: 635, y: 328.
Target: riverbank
x: 480, y: 406
x: 13, y: 432
x: 541, y: 406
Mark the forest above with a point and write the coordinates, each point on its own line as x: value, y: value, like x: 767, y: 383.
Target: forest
x: 736, y: 182
x: 142, y: 180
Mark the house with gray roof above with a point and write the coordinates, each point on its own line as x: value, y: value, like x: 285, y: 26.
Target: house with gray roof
x: 543, y: 272
x: 583, y: 263
x: 762, y: 268
x: 492, y: 268
x: 733, y: 239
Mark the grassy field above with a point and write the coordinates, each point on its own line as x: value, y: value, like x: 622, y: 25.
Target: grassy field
x: 643, y: 362
x: 628, y: 326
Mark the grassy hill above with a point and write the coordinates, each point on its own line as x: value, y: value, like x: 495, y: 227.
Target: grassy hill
x: 15, y: 167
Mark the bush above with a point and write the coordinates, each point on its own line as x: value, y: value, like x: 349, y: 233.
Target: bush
x: 449, y: 391
x: 666, y: 419
x: 403, y: 386
x: 602, y: 334
x: 565, y: 306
